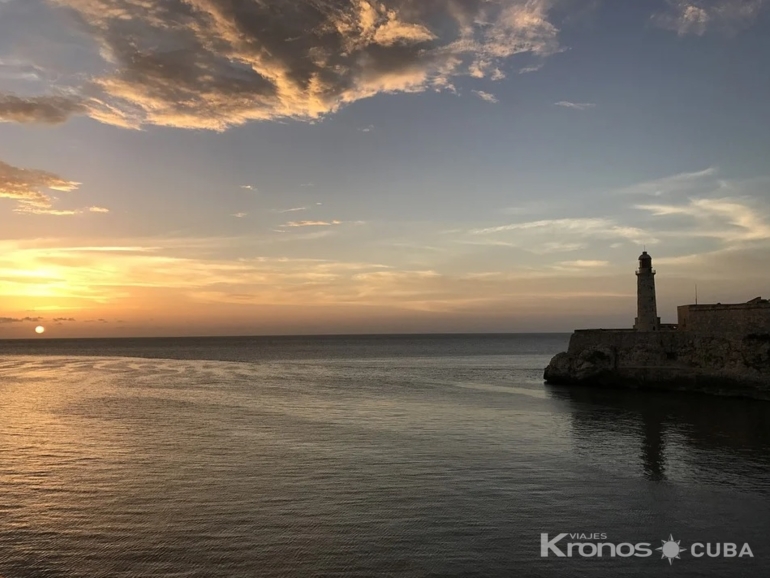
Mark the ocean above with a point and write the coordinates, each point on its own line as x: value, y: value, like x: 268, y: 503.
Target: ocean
x: 381, y: 456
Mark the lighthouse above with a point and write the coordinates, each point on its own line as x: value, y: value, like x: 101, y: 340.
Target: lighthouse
x: 646, y: 308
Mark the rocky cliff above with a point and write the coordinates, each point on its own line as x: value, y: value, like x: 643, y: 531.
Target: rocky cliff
x: 721, y: 364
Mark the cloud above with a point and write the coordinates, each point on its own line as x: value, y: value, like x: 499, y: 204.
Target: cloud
x: 584, y: 264
x: 98, y: 210
x: 486, y: 96
x: 697, y: 16
x: 32, y: 210
x: 249, y: 187
x: 213, y: 64
x: 64, y: 319
x: 240, y: 215
x: 575, y: 105
x: 292, y: 210
x: 25, y: 186
x: 701, y: 210
x: 38, y: 109
x: 678, y: 183
x: 7, y: 320
x: 730, y: 220
x: 369, y: 128
x: 532, y: 68
x: 527, y: 208
x: 312, y: 223
x: 15, y: 69
x: 164, y: 277
x: 557, y: 247
x: 592, y: 227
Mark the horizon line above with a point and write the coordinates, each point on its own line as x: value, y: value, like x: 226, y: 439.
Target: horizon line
x: 294, y: 335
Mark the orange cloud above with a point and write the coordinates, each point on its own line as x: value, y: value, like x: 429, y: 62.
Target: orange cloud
x: 25, y: 185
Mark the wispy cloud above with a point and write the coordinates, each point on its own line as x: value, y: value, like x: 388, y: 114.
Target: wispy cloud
x: 728, y: 219
x: 96, y: 281
x: 240, y: 215
x: 557, y: 247
x: 682, y: 182
x: 98, y: 210
x: 697, y: 16
x: 292, y: 210
x: 72, y: 275
x: 584, y: 264
x: 596, y: 227
x: 15, y: 69
x: 486, y: 96
x: 575, y: 105
x: 249, y: 187
x: 526, y: 208
x: 532, y: 68
x: 312, y: 223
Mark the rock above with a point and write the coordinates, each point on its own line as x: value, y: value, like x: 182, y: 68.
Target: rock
x: 592, y: 364
x: 559, y: 370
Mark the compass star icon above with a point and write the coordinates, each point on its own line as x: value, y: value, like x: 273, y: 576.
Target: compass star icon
x: 670, y: 549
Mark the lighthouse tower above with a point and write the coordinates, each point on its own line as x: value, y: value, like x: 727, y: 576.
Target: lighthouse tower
x: 646, y: 308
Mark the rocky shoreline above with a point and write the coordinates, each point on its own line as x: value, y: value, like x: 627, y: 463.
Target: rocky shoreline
x: 719, y: 364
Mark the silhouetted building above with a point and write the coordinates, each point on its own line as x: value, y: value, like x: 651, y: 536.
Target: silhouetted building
x: 646, y: 306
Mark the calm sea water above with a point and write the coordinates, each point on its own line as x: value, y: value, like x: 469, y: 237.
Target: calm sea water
x: 359, y: 456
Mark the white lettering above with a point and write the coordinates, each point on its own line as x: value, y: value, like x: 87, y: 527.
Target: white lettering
x: 628, y: 547
x: 550, y: 546
x: 611, y: 547
x: 699, y: 553
x: 730, y: 550
x: 588, y: 546
x: 584, y: 536
x: 643, y: 550
x: 712, y: 553
x: 746, y: 551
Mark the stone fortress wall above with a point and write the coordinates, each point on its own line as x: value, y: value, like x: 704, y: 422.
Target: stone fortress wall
x: 745, y: 318
x: 722, y: 363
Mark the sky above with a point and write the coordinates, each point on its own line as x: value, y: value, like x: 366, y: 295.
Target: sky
x: 243, y: 167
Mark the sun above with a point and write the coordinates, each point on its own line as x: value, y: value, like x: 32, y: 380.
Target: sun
x: 670, y: 549
x: 39, y: 329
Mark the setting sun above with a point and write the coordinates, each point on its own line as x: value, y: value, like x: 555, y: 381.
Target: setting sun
x: 39, y: 329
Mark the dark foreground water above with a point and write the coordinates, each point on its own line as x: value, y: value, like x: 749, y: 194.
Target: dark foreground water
x: 364, y: 456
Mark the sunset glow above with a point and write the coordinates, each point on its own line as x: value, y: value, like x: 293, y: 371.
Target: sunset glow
x: 405, y: 167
